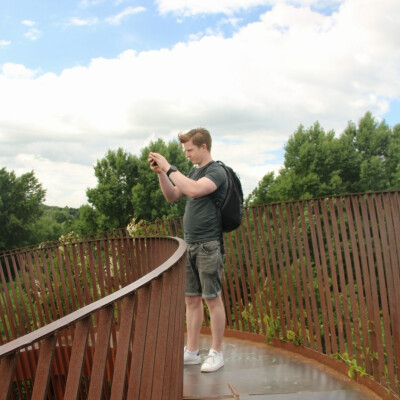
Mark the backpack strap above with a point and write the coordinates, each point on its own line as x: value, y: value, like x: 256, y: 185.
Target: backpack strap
x: 213, y: 197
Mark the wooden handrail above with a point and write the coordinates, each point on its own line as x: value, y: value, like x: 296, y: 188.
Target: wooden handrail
x: 90, y: 352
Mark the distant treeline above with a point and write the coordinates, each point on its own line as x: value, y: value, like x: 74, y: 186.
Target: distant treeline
x: 365, y: 157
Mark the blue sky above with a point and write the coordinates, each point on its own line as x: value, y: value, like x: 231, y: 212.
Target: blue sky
x: 54, y: 35
x: 80, y: 77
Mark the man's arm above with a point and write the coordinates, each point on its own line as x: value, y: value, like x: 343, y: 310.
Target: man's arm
x: 184, y: 186
x: 170, y: 192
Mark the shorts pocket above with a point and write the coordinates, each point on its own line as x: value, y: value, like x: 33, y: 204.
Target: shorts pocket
x: 210, y: 247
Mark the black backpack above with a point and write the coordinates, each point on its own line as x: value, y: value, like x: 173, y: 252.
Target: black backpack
x: 231, y: 209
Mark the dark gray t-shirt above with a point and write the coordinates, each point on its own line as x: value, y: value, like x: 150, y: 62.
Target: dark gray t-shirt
x: 201, y: 221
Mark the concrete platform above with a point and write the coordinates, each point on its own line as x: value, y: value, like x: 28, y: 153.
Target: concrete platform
x: 255, y: 371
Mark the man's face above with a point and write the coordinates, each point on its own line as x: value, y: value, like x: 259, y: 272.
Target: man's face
x: 194, y: 153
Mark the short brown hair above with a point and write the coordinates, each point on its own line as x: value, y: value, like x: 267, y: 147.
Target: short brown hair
x: 199, y: 136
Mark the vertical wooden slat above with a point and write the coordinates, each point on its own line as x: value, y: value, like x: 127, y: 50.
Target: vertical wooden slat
x: 17, y: 311
x: 367, y: 315
x: 297, y: 298
x: 162, y: 338
x: 58, y: 279
x: 332, y: 295
x: 280, y: 271
x: 124, y: 340
x: 242, y: 282
x: 308, y: 340
x: 393, y: 219
x: 344, y: 328
x: 361, y: 332
x: 173, y: 345
x: 41, y: 290
x: 285, y: 227
x: 276, y: 281
x: 315, y: 326
x: 267, y: 266
x: 247, y: 238
x: 7, y: 370
x: 235, y: 287
x: 77, y: 358
x: 263, y: 260
x: 256, y: 270
x: 150, y: 357
x: 42, y: 374
x: 136, y: 368
x: 49, y: 295
x: 30, y: 300
x: 390, y: 288
x: 100, y: 353
x: 5, y: 312
x: 375, y: 323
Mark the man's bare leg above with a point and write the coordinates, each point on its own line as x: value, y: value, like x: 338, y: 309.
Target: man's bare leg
x: 217, y: 317
x: 194, y: 321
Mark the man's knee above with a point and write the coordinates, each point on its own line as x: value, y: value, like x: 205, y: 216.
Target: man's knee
x: 215, y: 302
x: 193, y: 301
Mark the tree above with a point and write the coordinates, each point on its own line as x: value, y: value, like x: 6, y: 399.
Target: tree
x: 20, y: 200
x: 371, y: 142
x: 393, y: 162
x: 147, y: 198
x: 128, y: 188
x: 363, y: 158
x: 262, y: 193
x: 117, y: 174
x: 313, y: 165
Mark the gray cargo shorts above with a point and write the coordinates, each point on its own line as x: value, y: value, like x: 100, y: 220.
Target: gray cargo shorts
x: 204, y: 269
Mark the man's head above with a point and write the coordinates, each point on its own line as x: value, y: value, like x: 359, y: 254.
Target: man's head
x: 198, y: 136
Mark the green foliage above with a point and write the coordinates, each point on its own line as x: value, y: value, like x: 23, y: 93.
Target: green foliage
x: 117, y: 173
x: 363, y: 158
x: 127, y: 187
x: 147, y: 198
x: 354, y: 368
x: 20, y: 200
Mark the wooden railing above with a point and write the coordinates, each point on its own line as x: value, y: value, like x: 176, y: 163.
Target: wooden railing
x: 100, y: 319
x: 320, y: 277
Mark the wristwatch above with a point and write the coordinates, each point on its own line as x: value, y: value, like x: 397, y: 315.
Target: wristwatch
x: 172, y: 168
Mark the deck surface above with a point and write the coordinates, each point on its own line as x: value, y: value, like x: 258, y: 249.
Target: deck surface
x: 255, y: 371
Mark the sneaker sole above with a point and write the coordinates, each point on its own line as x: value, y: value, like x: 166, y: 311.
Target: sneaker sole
x: 192, y: 362
x: 212, y: 370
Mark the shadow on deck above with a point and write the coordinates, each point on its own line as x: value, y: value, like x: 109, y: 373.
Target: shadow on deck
x: 256, y: 371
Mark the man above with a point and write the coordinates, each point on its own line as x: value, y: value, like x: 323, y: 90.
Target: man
x: 203, y: 235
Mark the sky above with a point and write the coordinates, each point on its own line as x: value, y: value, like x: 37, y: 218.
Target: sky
x: 80, y: 77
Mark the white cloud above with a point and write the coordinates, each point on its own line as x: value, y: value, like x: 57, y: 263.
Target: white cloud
x: 28, y: 22
x: 16, y: 71
x: 89, y: 3
x: 193, y: 7
x: 251, y: 91
x: 33, y: 34
x: 4, y: 43
x: 76, y: 21
x: 65, y: 183
x: 117, y: 19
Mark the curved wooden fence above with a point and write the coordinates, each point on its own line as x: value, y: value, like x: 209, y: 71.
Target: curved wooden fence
x: 319, y: 277
x: 99, y: 319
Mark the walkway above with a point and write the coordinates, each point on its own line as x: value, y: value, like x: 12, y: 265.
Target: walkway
x: 256, y: 371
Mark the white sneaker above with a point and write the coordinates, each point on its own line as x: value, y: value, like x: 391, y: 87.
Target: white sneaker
x: 213, y: 361
x: 189, y: 358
